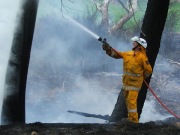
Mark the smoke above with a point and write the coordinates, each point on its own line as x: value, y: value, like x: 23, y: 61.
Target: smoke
x: 8, y: 13
x: 86, y: 96
x: 62, y: 74
x: 69, y: 71
x: 150, y: 112
x: 64, y: 71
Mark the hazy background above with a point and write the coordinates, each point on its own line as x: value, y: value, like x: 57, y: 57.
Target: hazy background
x: 69, y: 70
x: 65, y: 72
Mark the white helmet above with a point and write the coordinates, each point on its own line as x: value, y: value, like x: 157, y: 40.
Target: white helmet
x: 141, y: 41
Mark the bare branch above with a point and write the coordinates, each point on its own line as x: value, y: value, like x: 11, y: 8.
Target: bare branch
x: 98, y: 6
x: 122, y: 4
x: 121, y: 22
x: 66, y: 8
x: 132, y: 7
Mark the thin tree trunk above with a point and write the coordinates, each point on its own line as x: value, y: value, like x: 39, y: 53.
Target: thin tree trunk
x: 105, y: 15
x: 121, y: 22
x: 13, y: 108
x: 131, y: 10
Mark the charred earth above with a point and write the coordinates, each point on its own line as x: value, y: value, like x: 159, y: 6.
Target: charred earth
x: 168, y: 127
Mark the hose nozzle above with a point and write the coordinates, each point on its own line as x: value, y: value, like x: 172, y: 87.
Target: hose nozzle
x: 102, y: 40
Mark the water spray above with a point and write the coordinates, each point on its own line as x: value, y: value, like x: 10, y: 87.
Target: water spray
x: 104, y: 41
x: 84, y: 28
x: 88, y: 31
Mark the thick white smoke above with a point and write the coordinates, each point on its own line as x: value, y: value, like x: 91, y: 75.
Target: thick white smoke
x: 58, y: 80
x: 150, y: 112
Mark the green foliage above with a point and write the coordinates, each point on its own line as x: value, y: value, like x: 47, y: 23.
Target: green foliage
x: 115, y: 12
x: 173, y: 18
x: 138, y: 16
x: 85, y: 9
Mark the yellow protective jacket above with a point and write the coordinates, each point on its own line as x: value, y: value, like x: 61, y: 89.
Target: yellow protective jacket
x: 136, y: 67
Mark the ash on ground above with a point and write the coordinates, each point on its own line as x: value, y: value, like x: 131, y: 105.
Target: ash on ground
x: 169, y: 127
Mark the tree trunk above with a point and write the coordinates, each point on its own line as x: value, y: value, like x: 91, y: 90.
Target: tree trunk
x: 105, y: 15
x: 103, y: 9
x: 13, y: 108
x: 121, y: 22
x: 152, y: 28
x: 120, y: 110
x: 131, y: 10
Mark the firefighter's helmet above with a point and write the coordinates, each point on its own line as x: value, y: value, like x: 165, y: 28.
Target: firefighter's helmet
x: 141, y: 41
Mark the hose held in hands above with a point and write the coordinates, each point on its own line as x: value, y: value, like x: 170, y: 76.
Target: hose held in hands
x: 106, y: 46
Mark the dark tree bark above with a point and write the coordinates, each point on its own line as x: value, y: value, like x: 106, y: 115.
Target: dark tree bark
x: 152, y: 28
x: 120, y: 110
x: 13, y: 108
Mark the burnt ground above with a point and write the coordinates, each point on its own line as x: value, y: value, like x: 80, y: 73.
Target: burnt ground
x: 123, y: 128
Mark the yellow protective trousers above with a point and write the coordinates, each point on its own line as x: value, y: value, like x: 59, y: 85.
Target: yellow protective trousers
x: 131, y: 104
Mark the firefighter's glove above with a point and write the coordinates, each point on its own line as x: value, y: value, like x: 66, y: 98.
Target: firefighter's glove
x: 106, y: 47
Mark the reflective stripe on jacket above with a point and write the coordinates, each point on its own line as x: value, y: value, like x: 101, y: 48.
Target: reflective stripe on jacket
x: 136, y: 68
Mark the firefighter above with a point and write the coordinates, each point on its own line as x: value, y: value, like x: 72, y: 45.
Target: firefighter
x: 136, y: 68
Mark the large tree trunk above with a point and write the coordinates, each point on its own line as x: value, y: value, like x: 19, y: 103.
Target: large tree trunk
x: 152, y: 28
x: 13, y: 109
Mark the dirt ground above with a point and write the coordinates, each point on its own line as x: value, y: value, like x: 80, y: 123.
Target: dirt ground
x: 123, y: 128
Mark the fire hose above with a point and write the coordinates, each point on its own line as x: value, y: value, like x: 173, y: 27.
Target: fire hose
x: 161, y: 101
x: 151, y: 90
